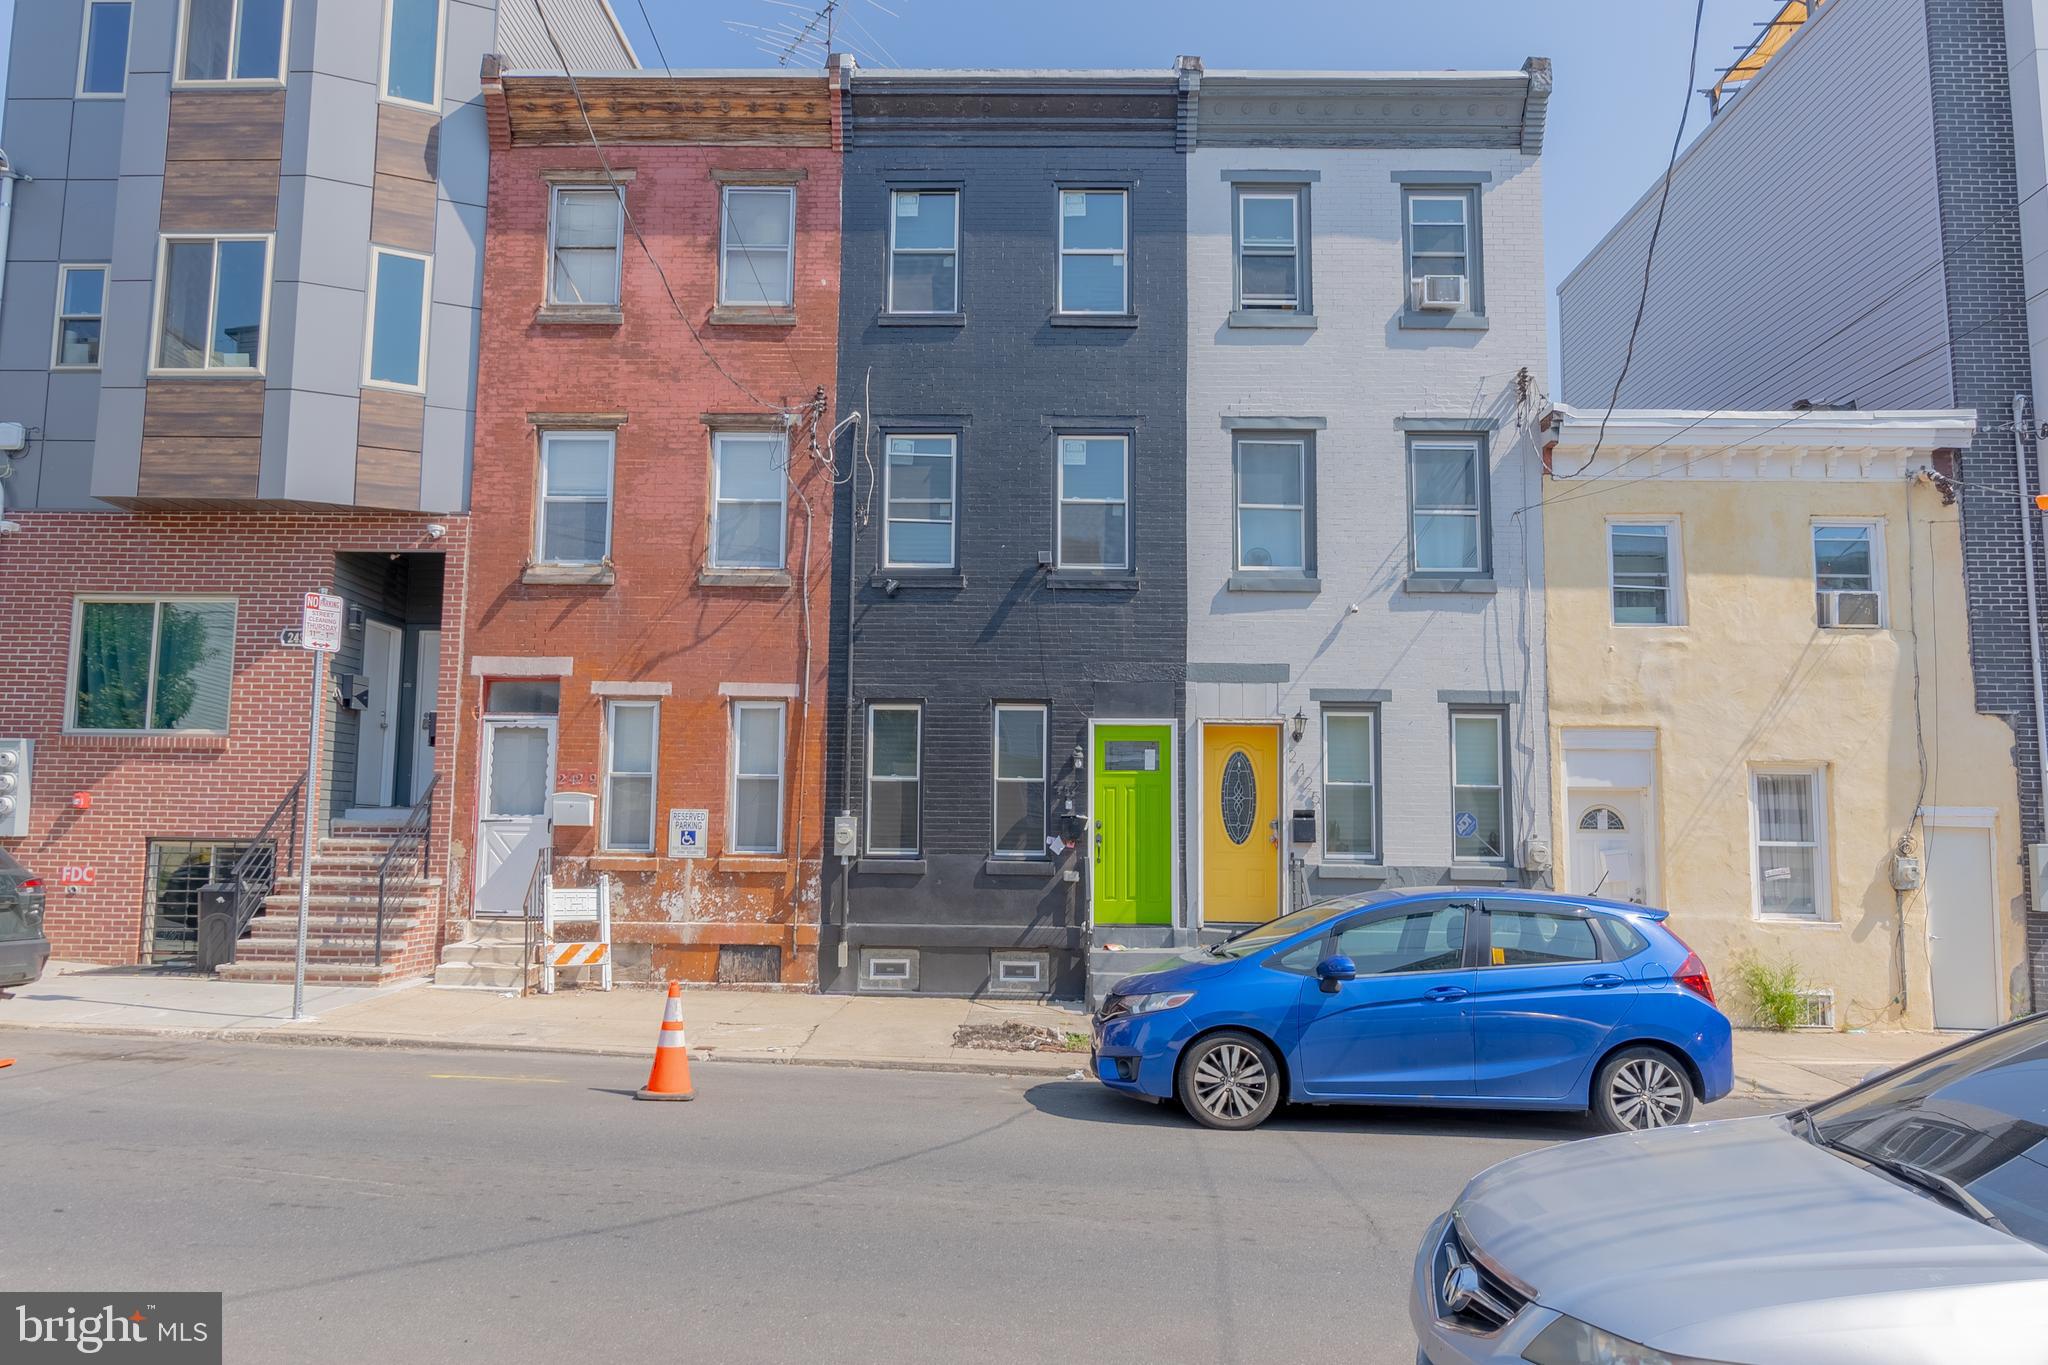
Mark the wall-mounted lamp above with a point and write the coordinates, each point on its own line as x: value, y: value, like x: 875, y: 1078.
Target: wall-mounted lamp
x: 1296, y: 725
x: 355, y: 618
x: 889, y: 587
x: 1080, y: 757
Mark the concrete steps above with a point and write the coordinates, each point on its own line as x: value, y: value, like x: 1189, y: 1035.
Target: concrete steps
x: 487, y: 957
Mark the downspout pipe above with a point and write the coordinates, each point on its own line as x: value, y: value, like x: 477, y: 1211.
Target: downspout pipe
x: 2019, y: 455
x: 7, y: 178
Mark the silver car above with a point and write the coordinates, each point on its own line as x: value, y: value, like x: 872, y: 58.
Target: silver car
x: 1904, y: 1222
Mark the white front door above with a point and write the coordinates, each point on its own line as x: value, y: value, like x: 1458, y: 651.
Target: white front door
x: 426, y: 689
x: 1962, y: 927
x: 513, y: 823
x: 377, y: 723
x: 1607, y: 845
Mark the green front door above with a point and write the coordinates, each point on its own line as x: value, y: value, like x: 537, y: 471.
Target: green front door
x: 1133, y: 824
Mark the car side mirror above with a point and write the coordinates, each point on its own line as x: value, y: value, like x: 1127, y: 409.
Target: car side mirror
x: 1873, y: 1074
x: 1333, y: 971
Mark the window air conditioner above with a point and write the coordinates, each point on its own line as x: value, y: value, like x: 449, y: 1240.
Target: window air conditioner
x: 1440, y: 293
x: 1848, y: 610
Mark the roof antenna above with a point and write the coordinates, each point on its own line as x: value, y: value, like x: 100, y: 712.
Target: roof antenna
x: 808, y: 32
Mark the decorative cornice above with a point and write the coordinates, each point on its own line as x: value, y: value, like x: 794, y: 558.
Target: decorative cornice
x: 724, y: 110
x: 1006, y: 108
x: 1375, y: 109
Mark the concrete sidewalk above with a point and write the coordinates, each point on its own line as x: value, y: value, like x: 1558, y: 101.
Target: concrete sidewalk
x: 909, y: 1033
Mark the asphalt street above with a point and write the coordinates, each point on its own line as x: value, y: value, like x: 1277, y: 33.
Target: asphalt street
x: 375, y: 1204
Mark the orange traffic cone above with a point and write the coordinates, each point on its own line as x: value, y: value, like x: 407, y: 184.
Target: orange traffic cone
x: 670, y: 1079
x: 6, y: 1061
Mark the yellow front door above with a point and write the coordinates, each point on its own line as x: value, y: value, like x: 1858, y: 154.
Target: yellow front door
x: 1240, y: 823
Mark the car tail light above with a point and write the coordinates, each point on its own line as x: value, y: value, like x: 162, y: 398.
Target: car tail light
x: 1692, y: 974
x: 32, y: 884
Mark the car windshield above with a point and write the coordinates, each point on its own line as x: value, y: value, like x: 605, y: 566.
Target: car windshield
x: 1976, y: 1116
x: 1281, y: 929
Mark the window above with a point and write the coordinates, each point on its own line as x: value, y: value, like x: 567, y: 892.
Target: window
x: 1272, y: 503
x: 81, y: 304
x: 232, y: 40
x: 1094, y: 251
x: 893, y: 769
x: 1479, y: 808
x: 1269, y: 250
x: 1094, y: 492
x: 575, y: 496
x: 1642, y: 563
x: 103, y: 58
x: 1440, y: 250
x: 918, y: 490
x: 924, y: 251
x: 747, y: 518
x: 1020, y: 782
x: 396, y: 349
x: 1446, y: 485
x: 757, y: 251
x: 1791, y: 853
x: 144, y: 665
x: 523, y: 697
x: 1427, y: 941
x: 1847, y: 575
x: 584, y: 224
x: 1351, y: 786
x: 630, y: 730
x: 213, y: 298
x: 412, y: 52
x: 177, y: 871
x: 757, y: 728
x: 1527, y: 938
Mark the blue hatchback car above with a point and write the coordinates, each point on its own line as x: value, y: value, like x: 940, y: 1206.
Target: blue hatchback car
x: 1428, y: 996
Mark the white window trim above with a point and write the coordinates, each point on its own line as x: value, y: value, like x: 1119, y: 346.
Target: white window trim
x: 611, y: 481
x: 156, y: 316
x: 1239, y: 505
x: 1274, y: 302
x: 85, y: 46
x: 284, y: 46
x: 1674, y: 572
x: 377, y: 253
x: 1500, y: 733
x: 1464, y: 203
x: 1059, y: 538
x: 725, y: 193
x: 57, y: 330
x: 733, y: 775
x: 868, y: 816
x: 997, y: 779
x: 555, y: 193
x: 1060, y: 283
x: 78, y: 605
x: 1371, y: 715
x: 953, y: 497
x: 1878, y: 570
x: 1483, y: 541
x: 718, y: 500
x: 1823, y: 874
x: 612, y: 707
x: 384, y: 95
x: 895, y: 251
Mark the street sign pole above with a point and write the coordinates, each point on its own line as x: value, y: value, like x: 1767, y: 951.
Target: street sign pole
x: 320, y: 618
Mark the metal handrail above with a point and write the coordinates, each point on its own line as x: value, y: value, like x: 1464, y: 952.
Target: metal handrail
x: 415, y: 833
x: 257, y: 870
x: 531, y: 912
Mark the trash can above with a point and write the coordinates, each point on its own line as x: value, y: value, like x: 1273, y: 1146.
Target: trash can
x: 218, y: 930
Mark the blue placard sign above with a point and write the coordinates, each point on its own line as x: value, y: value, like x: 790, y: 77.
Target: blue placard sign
x: 1467, y: 824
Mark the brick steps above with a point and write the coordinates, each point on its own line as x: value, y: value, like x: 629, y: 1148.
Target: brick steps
x: 341, y: 918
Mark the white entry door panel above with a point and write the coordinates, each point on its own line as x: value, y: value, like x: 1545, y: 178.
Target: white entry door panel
x: 377, y: 723
x: 426, y: 699
x: 1607, y: 856
x: 513, y: 823
x: 1962, y: 927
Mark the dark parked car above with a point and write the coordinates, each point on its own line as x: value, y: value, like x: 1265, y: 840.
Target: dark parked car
x: 23, y: 949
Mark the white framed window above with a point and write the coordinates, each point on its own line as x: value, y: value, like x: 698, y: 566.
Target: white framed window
x: 212, y: 304
x: 81, y: 310
x: 920, y: 489
x: 151, y: 665
x: 585, y: 223
x: 575, y: 523
x: 412, y: 53
x: 757, y: 761
x: 632, y: 735
x: 1095, y: 245
x: 1094, y: 529
x: 1439, y: 247
x: 395, y: 342
x: 1848, y: 575
x: 1269, y: 255
x: 1645, y: 584
x: 1272, y: 503
x: 924, y: 251
x: 894, y: 769
x: 1479, y: 787
x: 103, y: 50
x: 1788, y: 807
x: 749, y: 517
x: 232, y: 42
x: 1019, y: 781
x: 757, y: 246
x: 1351, y: 817
x: 1446, y: 493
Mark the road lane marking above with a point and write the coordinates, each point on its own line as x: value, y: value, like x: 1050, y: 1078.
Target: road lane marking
x: 516, y: 1080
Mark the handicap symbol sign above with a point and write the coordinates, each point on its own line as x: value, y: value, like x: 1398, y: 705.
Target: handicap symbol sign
x: 1467, y: 824
x: 686, y: 832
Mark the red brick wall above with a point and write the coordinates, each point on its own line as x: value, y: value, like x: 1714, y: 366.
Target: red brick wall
x: 656, y: 623
x: 176, y: 786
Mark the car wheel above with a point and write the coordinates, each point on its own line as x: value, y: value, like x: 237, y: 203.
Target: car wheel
x: 1229, y: 1080
x: 1641, y: 1088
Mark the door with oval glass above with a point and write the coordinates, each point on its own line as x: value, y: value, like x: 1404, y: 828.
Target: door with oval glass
x: 1240, y: 823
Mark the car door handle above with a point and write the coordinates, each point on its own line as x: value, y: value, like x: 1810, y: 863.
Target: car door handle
x: 1601, y: 981
x: 1445, y: 993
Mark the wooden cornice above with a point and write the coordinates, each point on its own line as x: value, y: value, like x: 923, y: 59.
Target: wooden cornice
x: 728, y: 111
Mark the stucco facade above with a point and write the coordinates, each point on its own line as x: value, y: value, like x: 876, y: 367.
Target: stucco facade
x: 1670, y: 738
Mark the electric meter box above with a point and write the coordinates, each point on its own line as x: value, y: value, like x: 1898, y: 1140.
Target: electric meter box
x: 15, y: 759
